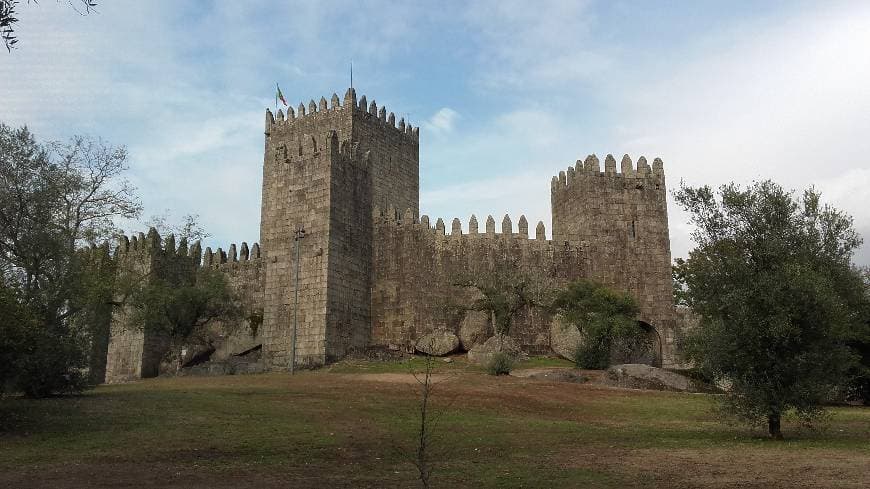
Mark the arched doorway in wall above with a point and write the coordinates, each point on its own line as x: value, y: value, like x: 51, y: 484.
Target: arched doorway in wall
x: 652, y: 354
x: 646, y: 349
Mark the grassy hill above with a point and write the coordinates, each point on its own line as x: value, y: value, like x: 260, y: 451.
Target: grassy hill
x: 349, y: 426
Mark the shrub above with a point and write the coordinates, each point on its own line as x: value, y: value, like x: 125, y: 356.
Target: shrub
x: 607, y: 320
x: 500, y: 364
x: 51, y: 363
x: 35, y: 360
x: 593, y: 355
x: 15, y: 320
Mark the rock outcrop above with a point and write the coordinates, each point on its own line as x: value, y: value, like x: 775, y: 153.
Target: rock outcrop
x: 482, y: 354
x: 474, y: 329
x: 438, y: 343
x: 564, y: 337
x: 640, y: 376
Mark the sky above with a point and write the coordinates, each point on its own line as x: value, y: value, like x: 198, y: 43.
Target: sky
x: 506, y: 93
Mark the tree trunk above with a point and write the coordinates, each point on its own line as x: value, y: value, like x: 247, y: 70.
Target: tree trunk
x: 773, y: 428
x: 180, y: 361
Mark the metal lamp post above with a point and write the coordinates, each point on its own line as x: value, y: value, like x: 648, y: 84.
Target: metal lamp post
x: 297, y: 236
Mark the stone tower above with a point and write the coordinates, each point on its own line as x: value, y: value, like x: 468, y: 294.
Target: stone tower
x: 621, y: 219
x: 325, y: 168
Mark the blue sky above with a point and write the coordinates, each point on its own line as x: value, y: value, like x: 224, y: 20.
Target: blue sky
x: 506, y: 93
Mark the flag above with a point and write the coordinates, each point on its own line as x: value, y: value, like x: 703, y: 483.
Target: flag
x: 280, y: 96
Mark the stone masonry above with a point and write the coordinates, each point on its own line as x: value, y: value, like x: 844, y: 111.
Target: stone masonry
x: 373, y: 272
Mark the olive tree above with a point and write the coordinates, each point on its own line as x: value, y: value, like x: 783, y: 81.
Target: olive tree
x: 779, y: 300
x: 504, y: 291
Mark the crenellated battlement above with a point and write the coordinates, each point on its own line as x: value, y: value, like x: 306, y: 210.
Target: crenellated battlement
x: 232, y: 257
x: 591, y: 167
x: 409, y: 219
x: 97, y: 251
x: 334, y: 109
x: 140, y: 246
x: 152, y: 244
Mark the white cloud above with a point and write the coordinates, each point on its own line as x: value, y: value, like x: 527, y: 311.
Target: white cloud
x: 778, y: 96
x: 787, y: 102
x: 495, y: 196
x: 533, y: 44
x: 442, y: 121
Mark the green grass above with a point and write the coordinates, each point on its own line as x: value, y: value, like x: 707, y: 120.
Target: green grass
x: 339, y: 428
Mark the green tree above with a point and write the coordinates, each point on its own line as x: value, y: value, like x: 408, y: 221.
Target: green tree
x: 16, y: 321
x: 55, y: 199
x: 185, y: 307
x: 858, y: 388
x: 504, y: 292
x: 778, y: 298
x: 189, y: 228
x: 607, y: 319
x: 94, y: 301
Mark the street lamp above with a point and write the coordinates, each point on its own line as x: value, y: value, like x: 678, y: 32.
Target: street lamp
x: 297, y: 236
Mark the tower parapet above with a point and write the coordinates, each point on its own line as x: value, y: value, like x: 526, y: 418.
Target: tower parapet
x: 231, y: 258
x: 628, y: 174
x: 302, y: 118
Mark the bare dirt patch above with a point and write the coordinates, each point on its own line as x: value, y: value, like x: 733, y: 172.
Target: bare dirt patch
x: 718, y: 468
x: 393, y: 378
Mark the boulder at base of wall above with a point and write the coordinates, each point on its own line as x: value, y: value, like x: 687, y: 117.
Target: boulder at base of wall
x: 474, y: 329
x: 482, y: 354
x: 640, y: 376
x: 438, y: 343
x: 564, y: 337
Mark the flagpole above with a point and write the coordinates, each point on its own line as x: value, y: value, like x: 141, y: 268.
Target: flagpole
x: 351, y: 73
x: 276, y: 97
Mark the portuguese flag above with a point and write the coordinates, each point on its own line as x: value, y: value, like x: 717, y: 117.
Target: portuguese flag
x: 279, y: 96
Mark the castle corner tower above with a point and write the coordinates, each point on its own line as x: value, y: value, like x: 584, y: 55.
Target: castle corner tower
x: 621, y: 219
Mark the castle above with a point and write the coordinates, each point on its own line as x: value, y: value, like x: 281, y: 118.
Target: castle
x: 372, y: 271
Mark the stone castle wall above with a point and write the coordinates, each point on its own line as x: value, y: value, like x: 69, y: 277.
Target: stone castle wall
x: 416, y: 269
x: 97, y: 316
x: 245, y: 273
